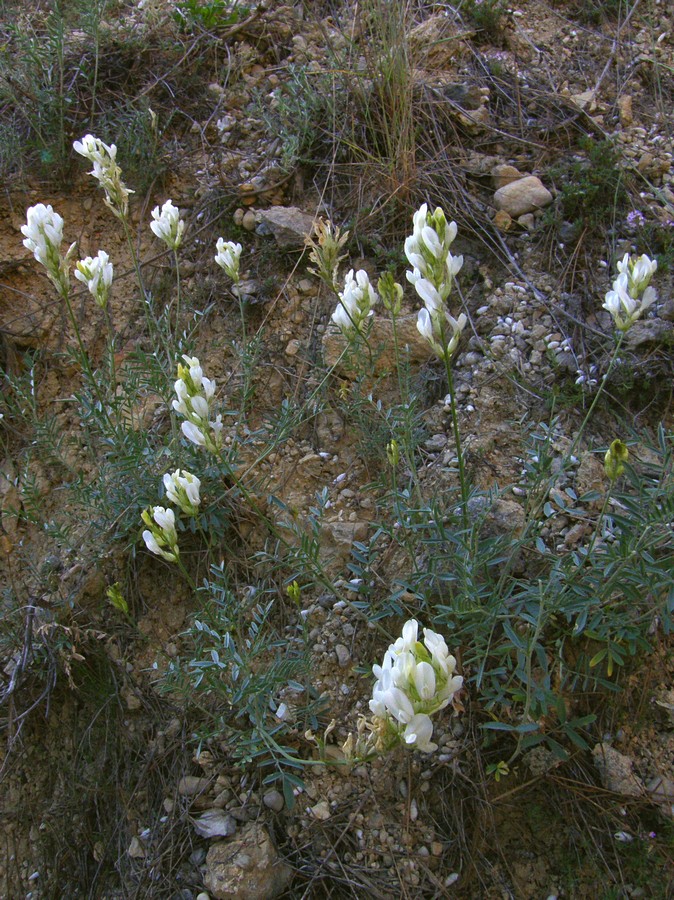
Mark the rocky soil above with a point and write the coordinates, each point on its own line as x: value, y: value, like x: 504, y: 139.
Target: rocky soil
x: 111, y: 788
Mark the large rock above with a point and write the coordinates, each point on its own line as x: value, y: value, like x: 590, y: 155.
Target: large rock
x: 525, y: 195
x: 247, y: 868
x: 615, y: 770
x: 289, y: 225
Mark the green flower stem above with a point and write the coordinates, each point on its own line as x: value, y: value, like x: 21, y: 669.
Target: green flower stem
x: 178, y: 299
x: 186, y: 575
x: 576, y: 440
x: 84, y: 357
x: 246, y: 357
x: 457, y: 440
x: 112, y: 341
x: 405, y: 398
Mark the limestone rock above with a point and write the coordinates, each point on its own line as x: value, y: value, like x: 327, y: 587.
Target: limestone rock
x: 662, y: 792
x: 289, y: 225
x: 214, y: 823
x: 616, y: 772
x: 649, y: 331
x: 523, y: 196
x: 273, y: 800
x: 503, y: 174
x: 246, y: 868
x: 346, y: 532
x: 136, y: 849
x: 191, y: 785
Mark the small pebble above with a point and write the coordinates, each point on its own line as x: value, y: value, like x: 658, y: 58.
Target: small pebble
x: 273, y: 800
x: 343, y: 655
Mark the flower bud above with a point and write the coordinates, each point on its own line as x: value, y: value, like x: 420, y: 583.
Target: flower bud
x: 615, y: 459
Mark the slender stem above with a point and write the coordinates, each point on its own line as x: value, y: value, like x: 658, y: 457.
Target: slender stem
x: 177, y: 325
x: 111, y: 346
x: 576, y: 440
x: 153, y: 330
x: 246, y: 359
x: 405, y: 400
x: 188, y: 578
x: 84, y: 356
x: 457, y: 441
x: 97, y: 12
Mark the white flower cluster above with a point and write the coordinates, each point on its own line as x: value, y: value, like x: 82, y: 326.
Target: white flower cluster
x: 167, y: 225
x: 631, y: 294
x: 161, y: 537
x: 96, y: 272
x: 194, y: 393
x: 228, y: 257
x: 182, y: 489
x: 415, y: 681
x: 106, y: 172
x: 434, y: 269
x: 43, y: 233
x: 355, y: 302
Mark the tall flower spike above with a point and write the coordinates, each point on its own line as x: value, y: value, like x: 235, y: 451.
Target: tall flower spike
x: 106, y: 172
x: 433, y: 273
x: 43, y: 233
x: 97, y: 274
x: 167, y: 225
x: 193, y: 395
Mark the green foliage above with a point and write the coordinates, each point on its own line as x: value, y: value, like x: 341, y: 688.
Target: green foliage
x: 486, y: 16
x: 33, y: 69
x: 208, y: 14
x: 241, y: 670
x: 299, y: 115
x: 594, y: 12
x: 592, y: 186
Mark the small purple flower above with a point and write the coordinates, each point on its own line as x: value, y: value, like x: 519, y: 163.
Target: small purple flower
x: 635, y: 219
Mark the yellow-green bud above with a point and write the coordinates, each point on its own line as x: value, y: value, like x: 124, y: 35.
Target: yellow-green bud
x: 391, y: 293
x: 393, y: 453
x: 115, y: 596
x: 615, y: 459
x: 293, y: 590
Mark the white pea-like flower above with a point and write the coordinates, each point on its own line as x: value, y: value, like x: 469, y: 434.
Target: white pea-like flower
x: 631, y: 294
x: 418, y: 732
x: 160, y: 536
x: 97, y: 273
x: 193, y: 433
x: 414, y: 681
x: 43, y: 232
x: 182, y: 488
x: 95, y: 150
x: 434, y: 269
x: 355, y: 302
x: 441, y: 330
x: 228, y: 257
x: 106, y: 172
x: 43, y: 236
x: 167, y: 225
x: 194, y: 393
